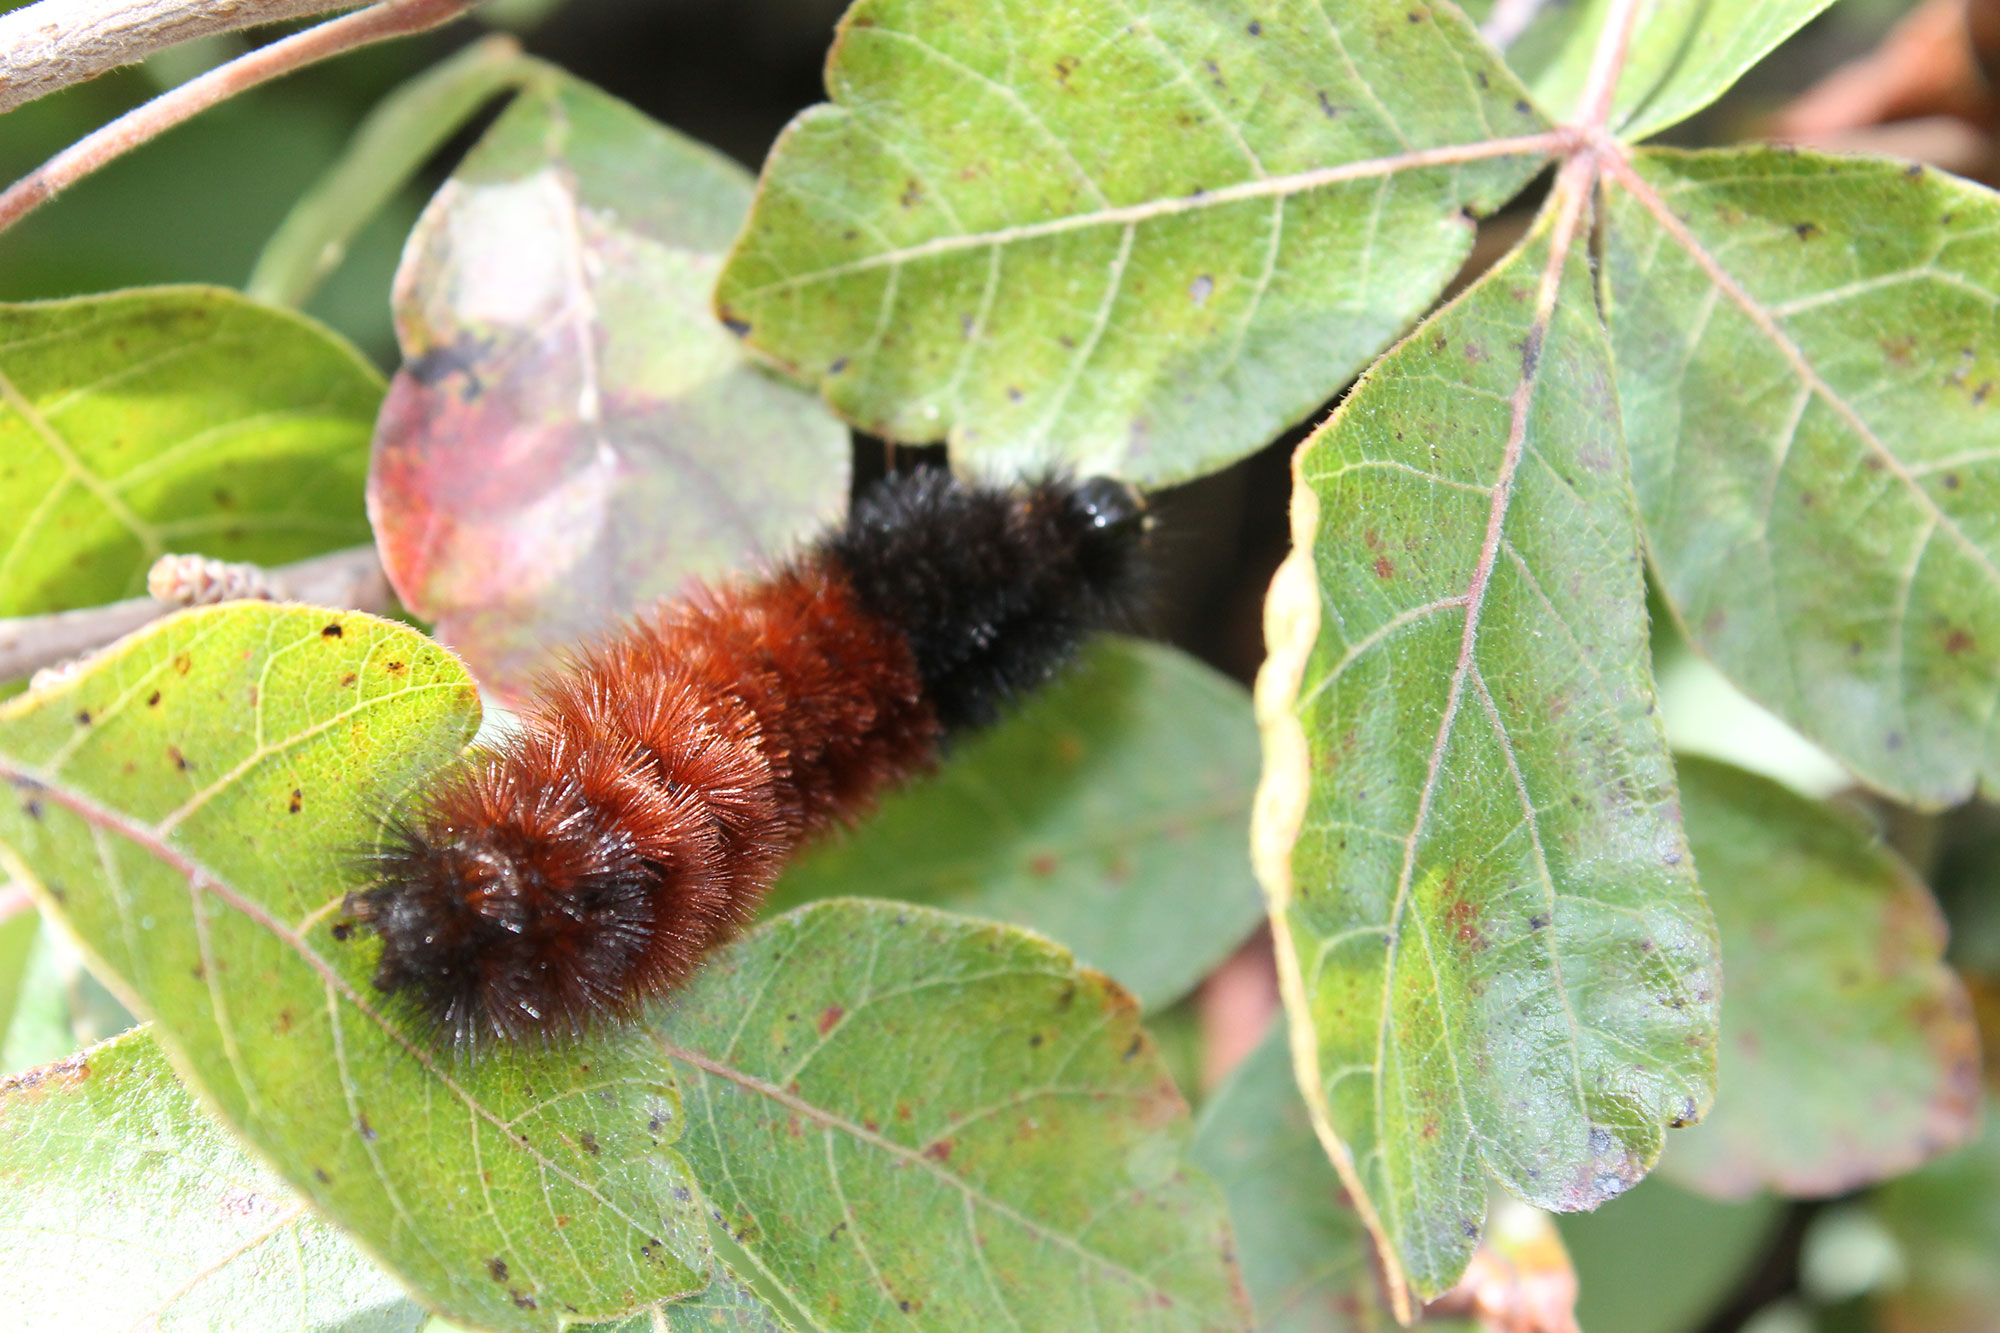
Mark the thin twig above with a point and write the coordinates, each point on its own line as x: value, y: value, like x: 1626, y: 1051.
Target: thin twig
x: 349, y: 579
x: 393, y: 18
x: 50, y: 45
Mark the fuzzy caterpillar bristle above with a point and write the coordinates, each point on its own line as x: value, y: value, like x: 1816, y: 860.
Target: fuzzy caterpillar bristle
x: 656, y: 786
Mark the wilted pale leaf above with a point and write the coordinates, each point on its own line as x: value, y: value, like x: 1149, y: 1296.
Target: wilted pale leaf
x: 171, y: 419
x: 1483, y: 899
x: 1848, y: 1048
x: 1108, y: 813
x: 914, y: 1120
x: 572, y: 434
x: 190, y: 804
x: 1808, y: 359
x: 1137, y: 238
x: 123, y: 1205
x: 1304, y: 1251
x: 1683, y: 54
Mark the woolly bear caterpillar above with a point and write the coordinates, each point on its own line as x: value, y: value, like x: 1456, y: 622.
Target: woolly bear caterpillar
x: 657, y: 785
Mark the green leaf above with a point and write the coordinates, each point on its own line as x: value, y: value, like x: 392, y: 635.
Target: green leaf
x: 1848, y: 1050
x: 125, y: 1205
x: 1683, y: 55
x: 908, y: 1118
x: 1107, y: 813
x: 1304, y: 1249
x: 171, y: 419
x: 1136, y: 239
x: 1806, y: 355
x: 1947, y: 1217
x: 1661, y: 1260
x: 1484, y: 906
x: 573, y: 434
x: 190, y: 805
x: 17, y: 941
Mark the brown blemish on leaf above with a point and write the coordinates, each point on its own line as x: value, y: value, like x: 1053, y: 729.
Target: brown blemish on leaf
x: 588, y: 1142
x: 61, y: 1075
x: 939, y: 1150
x: 829, y: 1017
x: 347, y: 681
x: 1044, y: 865
x: 496, y: 1268
x: 1958, y: 641
x: 395, y: 668
x: 183, y: 664
x: 1385, y: 568
x: 178, y: 759
x: 298, y: 801
x: 153, y: 699
x: 332, y: 631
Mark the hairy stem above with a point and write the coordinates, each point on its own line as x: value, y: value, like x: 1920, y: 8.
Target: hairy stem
x: 351, y: 579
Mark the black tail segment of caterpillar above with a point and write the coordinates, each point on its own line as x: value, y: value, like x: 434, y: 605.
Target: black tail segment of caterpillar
x: 655, y: 787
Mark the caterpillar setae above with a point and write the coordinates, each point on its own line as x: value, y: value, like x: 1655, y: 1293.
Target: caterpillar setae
x: 656, y: 785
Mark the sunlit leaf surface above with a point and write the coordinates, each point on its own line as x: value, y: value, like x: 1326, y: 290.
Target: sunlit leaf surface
x: 126, y: 1206
x: 171, y: 419
x: 572, y: 434
x: 1135, y: 238
x: 190, y: 804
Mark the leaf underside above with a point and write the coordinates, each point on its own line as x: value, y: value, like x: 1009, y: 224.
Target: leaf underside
x: 1807, y: 356
x: 1488, y: 919
x: 909, y: 1118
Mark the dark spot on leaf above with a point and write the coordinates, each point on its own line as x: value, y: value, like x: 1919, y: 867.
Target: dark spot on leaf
x: 1805, y: 231
x: 1914, y: 171
x: 1951, y: 482
x: 739, y: 327
x: 183, y: 663
x: 1328, y: 109
x: 913, y: 193
x: 940, y: 1150
x: 521, y: 1300
x: 1686, y: 1117
x: 1385, y: 568
x: 179, y: 760
x: 347, y: 680
x: 1894, y: 740
x: 1531, y: 351
x: 1521, y: 106
x: 153, y: 699
x: 284, y: 1020
x: 367, y: 1130
x: 1201, y: 289
x: 839, y: 364
x: 1480, y: 75
x: 319, y: 1174
x: 837, y: 1229
x: 1538, y: 921
x: 1034, y: 1039
x: 332, y: 631
x: 904, y: 1306
x: 83, y: 718
x: 1255, y: 29
x: 496, y: 1267
x: 832, y: 1015
x: 587, y: 1141
x: 395, y: 668
x: 1065, y: 66
x: 1957, y: 641
x: 1044, y: 865
x: 1138, y: 1044
x: 298, y: 801
x: 32, y: 808
x: 343, y: 931
x: 1469, y: 1227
